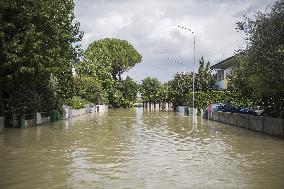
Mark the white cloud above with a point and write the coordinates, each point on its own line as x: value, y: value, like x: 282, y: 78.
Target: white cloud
x: 151, y: 26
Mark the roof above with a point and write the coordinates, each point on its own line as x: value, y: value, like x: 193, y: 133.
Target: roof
x: 224, y: 63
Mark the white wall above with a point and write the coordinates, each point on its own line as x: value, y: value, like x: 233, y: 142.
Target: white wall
x: 220, y: 84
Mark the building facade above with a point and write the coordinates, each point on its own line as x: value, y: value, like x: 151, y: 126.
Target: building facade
x: 224, y: 69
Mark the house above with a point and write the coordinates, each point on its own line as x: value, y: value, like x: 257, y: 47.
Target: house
x: 73, y: 70
x: 224, y: 68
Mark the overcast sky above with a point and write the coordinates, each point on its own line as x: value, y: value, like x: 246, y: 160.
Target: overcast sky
x: 151, y: 27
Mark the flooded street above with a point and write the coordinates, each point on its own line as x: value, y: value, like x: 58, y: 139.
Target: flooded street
x: 135, y: 148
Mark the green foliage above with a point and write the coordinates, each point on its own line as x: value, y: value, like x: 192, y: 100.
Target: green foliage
x: 77, y: 102
x: 36, y: 41
x: 164, y: 93
x: 89, y: 89
x: 204, y: 79
x: 29, y: 99
x: 203, y: 98
x: 129, y: 89
x: 19, y: 101
x: 117, y: 99
x: 106, y: 60
x: 179, y: 87
x: 150, y: 89
x: 65, y: 85
x: 109, y: 58
x: 238, y: 80
x: 264, y: 65
x: 125, y: 93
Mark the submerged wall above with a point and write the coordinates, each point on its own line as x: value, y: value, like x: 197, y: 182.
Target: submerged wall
x: 266, y: 125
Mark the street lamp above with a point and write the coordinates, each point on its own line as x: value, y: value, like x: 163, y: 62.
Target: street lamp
x: 193, y: 78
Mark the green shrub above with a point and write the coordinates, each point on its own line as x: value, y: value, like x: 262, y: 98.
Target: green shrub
x: 77, y: 102
x: 203, y: 99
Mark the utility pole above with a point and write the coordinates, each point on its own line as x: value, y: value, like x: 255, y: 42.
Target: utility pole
x: 193, y: 78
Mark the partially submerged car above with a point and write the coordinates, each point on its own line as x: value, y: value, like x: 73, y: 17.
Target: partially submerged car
x: 214, y: 107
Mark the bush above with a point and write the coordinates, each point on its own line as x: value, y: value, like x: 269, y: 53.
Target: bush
x: 24, y: 101
x: 77, y: 102
x: 203, y: 99
x: 90, y: 89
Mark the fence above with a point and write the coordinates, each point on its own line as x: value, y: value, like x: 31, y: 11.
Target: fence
x: 69, y: 112
x: 27, y: 120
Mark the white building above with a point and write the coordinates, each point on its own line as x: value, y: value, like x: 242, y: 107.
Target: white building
x: 224, y: 68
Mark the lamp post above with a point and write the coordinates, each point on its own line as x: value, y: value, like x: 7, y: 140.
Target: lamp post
x: 193, y: 78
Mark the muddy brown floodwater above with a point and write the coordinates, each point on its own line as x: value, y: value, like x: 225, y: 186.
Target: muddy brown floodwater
x: 135, y: 148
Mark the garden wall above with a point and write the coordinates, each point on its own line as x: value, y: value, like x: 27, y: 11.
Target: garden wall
x: 266, y: 125
x: 78, y: 112
x: 187, y: 110
x: 101, y: 108
x: 181, y: 109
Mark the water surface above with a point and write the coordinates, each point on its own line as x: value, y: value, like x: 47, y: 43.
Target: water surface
x: 139, y: 149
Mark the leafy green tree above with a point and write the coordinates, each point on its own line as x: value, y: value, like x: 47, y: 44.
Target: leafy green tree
x: 164, y: 93
x: 37, y: 39
x: 129, y: 88
x: 150, y: 89
x: 125, y: 93
x: 77, y: 102
x: 179, y: 87
x: 264, y: 56
x: 117, y: 99
x: 89, y: 89
x: 238, y: 80
x: 204, y: 79
x: 204, y: 98
x: 110, y: 56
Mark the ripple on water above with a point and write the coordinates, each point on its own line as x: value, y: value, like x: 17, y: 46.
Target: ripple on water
x: 139, y: 149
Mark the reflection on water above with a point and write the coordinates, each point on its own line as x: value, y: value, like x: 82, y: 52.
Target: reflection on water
x: 139, y: 149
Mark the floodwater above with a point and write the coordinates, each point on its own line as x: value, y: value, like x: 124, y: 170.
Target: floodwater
x: 135, y: 148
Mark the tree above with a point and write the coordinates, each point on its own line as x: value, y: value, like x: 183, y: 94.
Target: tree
x: 164, y: 93
x: 129, y: 89
x: 179, y: 87
x: 204, y: 79
x: 150, y: 89
x: 265, y: 56
x: 238, y: 80
x: 89, y: 89
x: 114, y: 56
x: 37, y: 40
x: 125, y: 93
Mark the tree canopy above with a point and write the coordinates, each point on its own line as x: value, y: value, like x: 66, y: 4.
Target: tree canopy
x: 111, y: 56
x: 263, y: 60
x: 150, y: 89
x: 179, y: 87
x: 204, y: 79
x: 37, y: 40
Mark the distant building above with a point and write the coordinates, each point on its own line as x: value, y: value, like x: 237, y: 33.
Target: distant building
x: 224, y: 68
x: 73, y: 71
